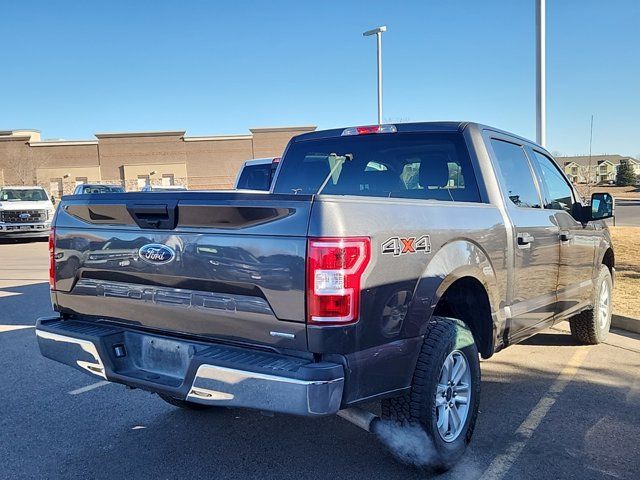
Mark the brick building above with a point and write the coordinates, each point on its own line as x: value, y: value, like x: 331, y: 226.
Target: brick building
x: 135, y: 159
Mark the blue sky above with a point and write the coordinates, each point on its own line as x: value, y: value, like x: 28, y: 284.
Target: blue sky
x: 71, y: 69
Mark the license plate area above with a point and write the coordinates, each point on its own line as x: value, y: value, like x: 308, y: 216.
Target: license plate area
x: 151, y: 358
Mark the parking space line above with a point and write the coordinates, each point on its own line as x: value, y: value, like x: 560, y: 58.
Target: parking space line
x: 503, y: 462
x: 10, y: 328
x: 89, y: 387
x: 4, y: 293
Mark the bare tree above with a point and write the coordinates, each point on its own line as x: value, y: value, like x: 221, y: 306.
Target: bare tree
x: 19, y: 165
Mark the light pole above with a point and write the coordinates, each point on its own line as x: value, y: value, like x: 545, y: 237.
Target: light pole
x: 378, y: 33
x: 541, y: 73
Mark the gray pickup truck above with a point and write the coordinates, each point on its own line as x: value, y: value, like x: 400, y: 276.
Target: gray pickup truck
x: 382, y: 263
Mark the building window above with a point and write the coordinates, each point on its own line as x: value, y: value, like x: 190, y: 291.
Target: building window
x: 143, y: 181
x: 81, y: 180
x: 603, y: 169
x: 168, y: 180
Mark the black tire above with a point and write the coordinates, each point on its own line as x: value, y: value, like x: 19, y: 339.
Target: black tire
x: 176, y: 402
x: 587, y: 327
x: 443, y: 337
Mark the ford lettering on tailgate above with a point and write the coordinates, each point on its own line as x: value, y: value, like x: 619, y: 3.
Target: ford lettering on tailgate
x: 156, y: 254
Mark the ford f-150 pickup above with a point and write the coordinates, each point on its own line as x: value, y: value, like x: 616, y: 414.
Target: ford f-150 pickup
x: 382, y: 263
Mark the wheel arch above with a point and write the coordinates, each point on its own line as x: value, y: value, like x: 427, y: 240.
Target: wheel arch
x: 609, y: 259
x: 464, y: 285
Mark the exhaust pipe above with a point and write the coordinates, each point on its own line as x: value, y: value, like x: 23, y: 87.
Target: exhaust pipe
x: 408, y: 442
x: 360, y: 418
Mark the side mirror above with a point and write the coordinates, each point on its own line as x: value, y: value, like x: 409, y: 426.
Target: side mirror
x: 602, y: 207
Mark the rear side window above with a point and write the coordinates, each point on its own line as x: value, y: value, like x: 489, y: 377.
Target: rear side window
x: 558, y: 194
x: 516, y: 174
x: 255, y: 177
x: 433, y: 166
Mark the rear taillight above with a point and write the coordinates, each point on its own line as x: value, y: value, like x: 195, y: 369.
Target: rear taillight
x: 334, y: 272
x: 52, y: 259
x: 369, y: 129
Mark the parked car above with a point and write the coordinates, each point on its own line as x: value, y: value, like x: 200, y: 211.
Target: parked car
x: 383, y: 262
x: 163, y: 188
x: 257, y: 174
x: 91, y: 188
x: 25, y: 212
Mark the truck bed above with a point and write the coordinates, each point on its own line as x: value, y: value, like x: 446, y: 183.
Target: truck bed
x: 236, y: 270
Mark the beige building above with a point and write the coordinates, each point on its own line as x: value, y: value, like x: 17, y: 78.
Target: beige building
x: 135, y: 159
x: 595, y: 169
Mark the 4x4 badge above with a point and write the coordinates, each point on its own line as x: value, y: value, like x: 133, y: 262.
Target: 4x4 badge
x: 397, y: 246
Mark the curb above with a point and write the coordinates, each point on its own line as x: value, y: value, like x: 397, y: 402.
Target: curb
x: 625, y: 323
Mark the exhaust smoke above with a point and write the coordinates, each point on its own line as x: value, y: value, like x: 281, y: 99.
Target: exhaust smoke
x: 409, y: 443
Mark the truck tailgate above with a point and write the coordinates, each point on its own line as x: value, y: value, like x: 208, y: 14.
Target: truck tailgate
x: 220, y: 265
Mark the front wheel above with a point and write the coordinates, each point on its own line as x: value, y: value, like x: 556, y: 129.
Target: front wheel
x: 592, y: 326
x: 445, y: 393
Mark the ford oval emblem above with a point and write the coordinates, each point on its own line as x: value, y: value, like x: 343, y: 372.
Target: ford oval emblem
x: 24, y: 216
x: 156, y: 253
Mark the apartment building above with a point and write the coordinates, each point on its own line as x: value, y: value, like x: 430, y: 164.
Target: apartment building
x: 595, y: 169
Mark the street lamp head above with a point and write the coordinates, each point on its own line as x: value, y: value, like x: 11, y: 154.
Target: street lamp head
x: 375, y: 31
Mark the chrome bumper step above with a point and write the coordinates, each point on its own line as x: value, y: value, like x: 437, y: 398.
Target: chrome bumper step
x: 206, y: 373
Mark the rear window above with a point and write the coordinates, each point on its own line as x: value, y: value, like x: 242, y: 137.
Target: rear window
x: 256, y: 177
x: 432, y: 166
x: 101, y: 189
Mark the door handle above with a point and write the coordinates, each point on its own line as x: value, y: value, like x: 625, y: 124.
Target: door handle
x: 565, y: 236
x: 525, y: 240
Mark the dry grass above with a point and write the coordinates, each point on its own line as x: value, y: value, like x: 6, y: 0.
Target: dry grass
x: 617, y: 192
x: 626, y: 295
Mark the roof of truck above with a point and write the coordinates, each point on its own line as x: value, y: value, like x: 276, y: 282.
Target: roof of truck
x: 444, y: 126
x: 401, y: 127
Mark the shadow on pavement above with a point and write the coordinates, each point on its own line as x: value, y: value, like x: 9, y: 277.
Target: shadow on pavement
x: 24, y: 304
x: 13, y: 241
x: 550, y: 339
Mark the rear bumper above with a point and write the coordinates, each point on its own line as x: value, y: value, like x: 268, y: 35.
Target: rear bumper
x: 210, y: 374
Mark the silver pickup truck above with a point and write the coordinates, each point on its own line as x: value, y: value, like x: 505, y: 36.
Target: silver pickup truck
x: 382, y: 263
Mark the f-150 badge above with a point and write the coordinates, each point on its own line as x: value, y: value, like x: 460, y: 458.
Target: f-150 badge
x: 397, y: 246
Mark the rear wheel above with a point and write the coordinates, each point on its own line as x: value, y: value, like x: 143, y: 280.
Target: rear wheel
x: 445, y: 393
x: 176, y: 402
x: 592, y: 326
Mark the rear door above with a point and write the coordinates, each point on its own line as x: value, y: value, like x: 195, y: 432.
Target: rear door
x: 535, y: 231
x: 224, y: 265
x: 577, y: 241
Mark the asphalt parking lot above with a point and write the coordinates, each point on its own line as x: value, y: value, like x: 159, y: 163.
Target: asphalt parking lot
x: 549, y: 409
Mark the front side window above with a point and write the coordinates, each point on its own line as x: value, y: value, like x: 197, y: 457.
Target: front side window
x: 516, y: 174
x: 558, y: 195
x: 429, y: 166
